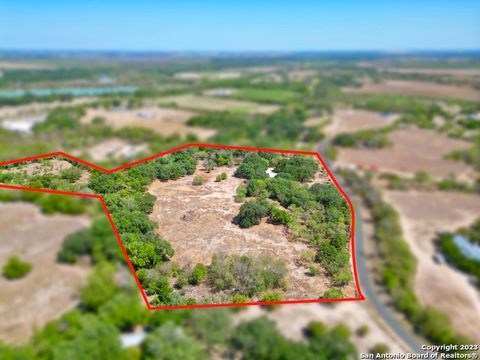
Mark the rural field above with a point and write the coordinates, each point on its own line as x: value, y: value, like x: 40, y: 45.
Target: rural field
x: 417, y: 88
x: 210, y: 226
x: 50, y: 289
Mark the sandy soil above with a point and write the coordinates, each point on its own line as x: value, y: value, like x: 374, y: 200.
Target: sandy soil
x: 292, y: 319
x: 164, y: 121
x: 114, y: 149
x: 417, y: 88
x: 50, y: 289
x: 183, y: 210
x: 412, y: 150
x: 422, y: 215
x: 350, y: 120
x: 204, y: 103
x: 53, y: 167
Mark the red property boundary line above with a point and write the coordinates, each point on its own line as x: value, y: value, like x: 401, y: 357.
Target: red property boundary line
x: 360, y: 296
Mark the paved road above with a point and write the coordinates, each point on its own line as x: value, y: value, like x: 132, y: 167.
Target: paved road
x: 366, y: 282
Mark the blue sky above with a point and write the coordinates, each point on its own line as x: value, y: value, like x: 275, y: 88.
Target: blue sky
x: 260, y: 25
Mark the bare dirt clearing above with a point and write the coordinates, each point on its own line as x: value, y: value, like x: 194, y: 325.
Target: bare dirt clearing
x: 115, y: 149
x: 163, y: 121
x: 197, y: 221
x: 412, y: 150
x: 350, y: 120
x: 50, y: 289
x: 422, y: 215
x: 434, y: 71
x: 292, y: 319
x: 416, y: 88
x: 205, y: 103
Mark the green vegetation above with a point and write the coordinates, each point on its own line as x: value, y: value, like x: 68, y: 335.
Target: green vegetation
x: 221, y: 177
x: 48, y: 203
x: 455, y: 256
x: 365, y: 138
x: 16, y: 268
x: 198, y: 180
x: 245, y: 275
x: 280, y: 96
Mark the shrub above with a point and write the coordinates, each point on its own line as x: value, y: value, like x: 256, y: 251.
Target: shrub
x: 333, y: 294
x: 198, y: 180
x: 272, y: 296
x: 16, y: 268
x: 252, y: 212
x: 280, y: 216
x: 239, y: 298
x: 249, y: 276
x: 221, y: 177
x: 379, y: 348
x: 342, y: 278
x: 199, y: 274
x: 314, y: 271
x: 241, y: 193
x: 298, y: 168
x: 252, y: 167
x: 363, y: 330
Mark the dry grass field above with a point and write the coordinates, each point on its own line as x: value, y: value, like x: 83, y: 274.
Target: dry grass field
x: 351, y: 120
x: 163, y: 121
x: 412, y: 150
x: 417, y: 88
x: 50, y: 289
x: 205, y: 103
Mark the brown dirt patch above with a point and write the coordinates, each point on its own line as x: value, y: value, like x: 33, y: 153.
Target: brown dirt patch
x: 197, y: 221
x: 163, y: 121
x: 417, y: 88
x: 50, y: 289
x: 350, y: 120
x: 422, y: 215
x: 115, y: 149
x: 412, y: 150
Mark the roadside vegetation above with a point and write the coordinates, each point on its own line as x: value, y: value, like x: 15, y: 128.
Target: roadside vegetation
x: 398, y: 266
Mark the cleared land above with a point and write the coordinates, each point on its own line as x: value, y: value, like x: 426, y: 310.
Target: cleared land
x: 412, y: 150
x: 164, y: 121
x: 423, y: 215
x: 115, y: 149
x: 350, y: 120
x: 50, y: 289
x: 205, y: 103
x: 434, y: 71
x: 197, y: 221
x: 12, y: 112
x: 416, y: 88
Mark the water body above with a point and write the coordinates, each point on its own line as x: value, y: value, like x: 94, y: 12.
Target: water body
x: 467, y: 248
x: 74, y: 91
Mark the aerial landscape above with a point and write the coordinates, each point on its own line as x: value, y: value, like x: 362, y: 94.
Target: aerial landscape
x: 149, y: 191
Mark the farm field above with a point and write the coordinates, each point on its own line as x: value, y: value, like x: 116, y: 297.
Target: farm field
x: 417, y: 88
x: 351, y: 120
x: 423, y: 215
x: 412, y: 150
x: 163, y: 121
x: 204, y: 103
x: 50, y: 289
